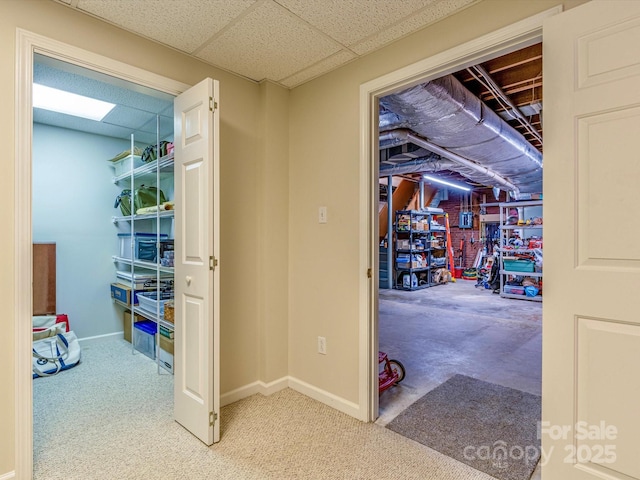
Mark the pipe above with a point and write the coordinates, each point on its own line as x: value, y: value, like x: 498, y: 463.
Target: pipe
x: 496, y: 91
x: 421, y: 197
x: 390, y: 275
x: 401, y: 135
x: 418, y: 165
x: 452, y: 118
x: 463, y: 161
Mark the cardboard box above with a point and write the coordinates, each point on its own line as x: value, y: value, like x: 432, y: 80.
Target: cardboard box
x: 127, y: 324
x: 166, y: 344
x: 122, y: 293
x: 166, y: 358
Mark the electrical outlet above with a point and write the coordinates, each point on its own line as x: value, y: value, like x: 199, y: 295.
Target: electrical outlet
x: 322, y: 345
x: 322, y: 215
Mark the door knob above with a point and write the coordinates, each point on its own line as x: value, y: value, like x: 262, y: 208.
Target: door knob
x: 188, y: 280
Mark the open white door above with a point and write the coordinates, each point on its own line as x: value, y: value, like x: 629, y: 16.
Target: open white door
x: 197, y: 277
x: 591, y: 319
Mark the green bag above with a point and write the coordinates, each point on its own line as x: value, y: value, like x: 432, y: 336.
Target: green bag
x: 143, y: 197
x: 124, y: 201
x: 147, y: 197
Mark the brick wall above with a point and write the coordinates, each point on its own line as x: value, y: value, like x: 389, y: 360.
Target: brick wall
x: 471, y: 236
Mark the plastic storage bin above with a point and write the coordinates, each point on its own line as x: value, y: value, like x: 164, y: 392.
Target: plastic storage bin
x: 124, y: 164
x: 511, y: 289
x: 149, y: 301
x: 519, y: 265
x: 144, y: 338
x: 125, y: 242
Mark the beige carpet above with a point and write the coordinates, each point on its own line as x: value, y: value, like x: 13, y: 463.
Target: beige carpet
x: 111, y: 418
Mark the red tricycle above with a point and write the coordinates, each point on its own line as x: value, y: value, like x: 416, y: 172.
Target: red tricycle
x: 391, y: 374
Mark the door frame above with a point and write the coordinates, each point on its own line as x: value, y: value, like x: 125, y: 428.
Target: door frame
x: 510, y: 38
x: 27, y: 44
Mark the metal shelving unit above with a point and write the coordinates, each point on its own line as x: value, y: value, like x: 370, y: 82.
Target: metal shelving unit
x: 154, y: 173
x: 525, y: 233
x: 420, y: 243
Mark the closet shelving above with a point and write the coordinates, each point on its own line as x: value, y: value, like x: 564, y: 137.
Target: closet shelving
x: 157, y: 226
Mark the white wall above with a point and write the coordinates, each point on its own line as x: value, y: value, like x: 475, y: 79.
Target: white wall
x: 72, y: 205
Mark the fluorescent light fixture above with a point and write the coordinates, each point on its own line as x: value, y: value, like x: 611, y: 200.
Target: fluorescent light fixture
x: 443, y: 182
x: 60, y: 101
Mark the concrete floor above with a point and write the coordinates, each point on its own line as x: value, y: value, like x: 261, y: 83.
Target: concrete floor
x: 458, y: 329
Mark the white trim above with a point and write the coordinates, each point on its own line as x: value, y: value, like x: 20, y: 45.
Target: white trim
x: 262, y: 388
x: 96, y: 339
x: 327, y: 398
x: 513, y: 37
x: 28, y: 43
x: 8, y: 476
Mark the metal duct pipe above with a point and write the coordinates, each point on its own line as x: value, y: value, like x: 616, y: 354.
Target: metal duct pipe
x: 454, y: 119
x: 416, y: 166
x: 421, y: 142
x: 401, y: 136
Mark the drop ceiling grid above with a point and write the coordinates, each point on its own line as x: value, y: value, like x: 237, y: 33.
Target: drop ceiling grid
x: 350, y: 21
x: 437, y: 10
x: 268, y: 42
x: 183, y: 24
x: 325, y: 65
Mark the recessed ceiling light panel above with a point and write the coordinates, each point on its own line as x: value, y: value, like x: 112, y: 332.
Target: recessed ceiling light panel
x: 68, y: 103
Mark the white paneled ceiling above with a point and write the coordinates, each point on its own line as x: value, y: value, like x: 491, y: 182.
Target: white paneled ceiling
x: 139, y: 110
x: 286, y: 41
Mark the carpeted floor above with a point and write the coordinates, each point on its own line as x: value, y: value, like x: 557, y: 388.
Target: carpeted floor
x: 111, y: 418
x: 487, y: 426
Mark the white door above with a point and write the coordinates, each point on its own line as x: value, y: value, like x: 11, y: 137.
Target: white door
x: 591, y: 311
x: 197, y: 277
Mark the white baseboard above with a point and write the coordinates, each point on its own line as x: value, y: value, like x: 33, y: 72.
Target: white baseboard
x: 339, y: 403
x: 270, y: 388
x: 8, y: 476
x: 99, y: 339
x: 253, y: 388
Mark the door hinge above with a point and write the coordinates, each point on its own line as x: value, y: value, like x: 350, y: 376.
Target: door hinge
x: 212, y: 418
x: 213, y: 262
x: 213, y: 105
x: 369, y: 273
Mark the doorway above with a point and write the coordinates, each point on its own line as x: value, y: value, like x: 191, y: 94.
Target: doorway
x: 443, y: 310
x: 30, y: 44
x: 508, y: 39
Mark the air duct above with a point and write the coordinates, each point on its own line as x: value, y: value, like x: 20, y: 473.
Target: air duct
x: 456, y: 125
x: 436, y: 161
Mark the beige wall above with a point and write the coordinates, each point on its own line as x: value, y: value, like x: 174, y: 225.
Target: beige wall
x: 285, y: 278
x: 324, y: 156
x: 243, y: 131
x: 272, y: 238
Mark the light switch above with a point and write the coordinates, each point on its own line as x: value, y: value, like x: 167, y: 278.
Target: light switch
x: 322, y: 215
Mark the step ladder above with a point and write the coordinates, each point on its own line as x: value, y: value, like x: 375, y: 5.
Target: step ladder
x: 449, y: 248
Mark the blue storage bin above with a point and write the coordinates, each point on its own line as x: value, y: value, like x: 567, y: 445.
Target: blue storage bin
x: 144, y: 338
x: 139, y: 237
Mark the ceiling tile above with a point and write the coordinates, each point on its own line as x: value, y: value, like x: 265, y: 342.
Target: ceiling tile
x: 437, y: 10
x: 184, y: 24
x: 89, y: 126
x: 269, y: 42
x: 129, y: 117
x: 76, y: 80
x: 317, y: 69
x: 350, y: 21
